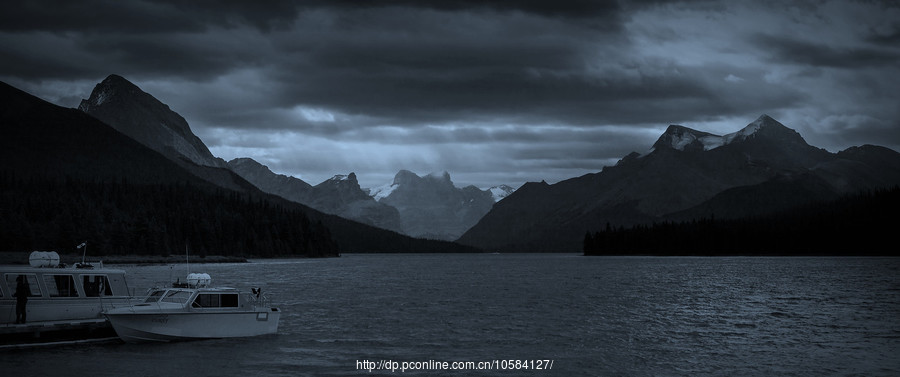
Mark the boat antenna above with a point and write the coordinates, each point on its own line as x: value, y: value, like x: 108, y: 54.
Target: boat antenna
x: 83, y: 246
x: 187, y: 260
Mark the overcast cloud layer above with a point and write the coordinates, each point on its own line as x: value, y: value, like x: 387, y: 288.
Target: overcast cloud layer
x: 492, y: 92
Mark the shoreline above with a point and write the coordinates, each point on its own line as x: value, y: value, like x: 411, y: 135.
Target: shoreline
x: 21, y: 258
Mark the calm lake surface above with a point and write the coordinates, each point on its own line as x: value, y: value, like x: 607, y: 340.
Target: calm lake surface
x: 588, y: 315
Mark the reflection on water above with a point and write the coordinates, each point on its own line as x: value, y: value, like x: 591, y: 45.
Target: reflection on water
x: 590, y: 315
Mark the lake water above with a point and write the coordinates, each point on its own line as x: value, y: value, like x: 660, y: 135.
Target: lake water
x: 575, y: 315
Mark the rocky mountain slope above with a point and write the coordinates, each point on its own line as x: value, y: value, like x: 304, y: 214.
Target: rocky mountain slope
x: 122, y: 105
x: 133, y: 112
x: 765, y: 166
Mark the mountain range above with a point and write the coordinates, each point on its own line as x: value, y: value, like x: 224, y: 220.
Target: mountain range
x: 121, y: 134
x: 102, y: 182
x: 688, y: 174
x: 340, y: 195
x: 421, y: 207
x: 430, y: 206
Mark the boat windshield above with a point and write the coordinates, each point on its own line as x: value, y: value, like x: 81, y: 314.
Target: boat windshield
x: 154, y: 296
x: 178, y: 297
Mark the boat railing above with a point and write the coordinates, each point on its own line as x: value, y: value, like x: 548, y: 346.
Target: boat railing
x: 258, y: 299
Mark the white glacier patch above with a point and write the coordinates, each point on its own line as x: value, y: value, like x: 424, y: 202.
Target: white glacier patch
x: 382, y: 192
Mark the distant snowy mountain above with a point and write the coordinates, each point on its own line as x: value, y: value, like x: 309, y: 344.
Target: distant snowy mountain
x: 682, y: 138
x: 431, y: 206
x: 500, y: 192
x: 380, y: 192
x: 427, y: 207
x: 688, y: 174
x: 383, y: 191
x: 340, y: 195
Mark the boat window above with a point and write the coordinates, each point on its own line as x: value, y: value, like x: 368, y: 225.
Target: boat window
x: 96, y: 285
x: 229, y: 300
x: 178, y: 297
x: 34, y: 289
x: 154, y: 297
x: 216, y: 300
x: 60, y: 285
x: 206, y: 300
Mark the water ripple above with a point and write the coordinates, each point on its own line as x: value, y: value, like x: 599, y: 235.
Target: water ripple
x: 592, y: 316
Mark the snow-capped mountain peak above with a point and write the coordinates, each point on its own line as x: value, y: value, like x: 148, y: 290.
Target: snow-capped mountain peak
x: 683, y: 138
x: 500, y: 192
x: 751, y: 129
x: 343, y: 177
x: 431, y: 206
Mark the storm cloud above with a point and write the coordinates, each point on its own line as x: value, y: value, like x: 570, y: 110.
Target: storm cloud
x: 493, y: 92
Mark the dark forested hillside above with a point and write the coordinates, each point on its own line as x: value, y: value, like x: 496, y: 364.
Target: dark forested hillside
x: 66, y: 178
x: 116, y: 217
x: 861, y: 224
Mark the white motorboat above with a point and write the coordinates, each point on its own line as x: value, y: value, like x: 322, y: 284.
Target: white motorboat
x: 194, y: 311
x: 64, y: 303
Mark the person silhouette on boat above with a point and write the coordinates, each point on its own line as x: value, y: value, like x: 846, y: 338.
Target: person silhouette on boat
x: 22, y: 292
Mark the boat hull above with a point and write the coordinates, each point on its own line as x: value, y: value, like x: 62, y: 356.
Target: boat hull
x: 135, y: 327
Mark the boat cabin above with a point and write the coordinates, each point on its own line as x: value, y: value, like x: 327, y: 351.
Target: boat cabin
x: 198, y: 298
x: 61, y: 293
x: 50, y: 283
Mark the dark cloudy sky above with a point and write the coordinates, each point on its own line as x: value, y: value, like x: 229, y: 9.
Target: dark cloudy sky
x: 491, y: 91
